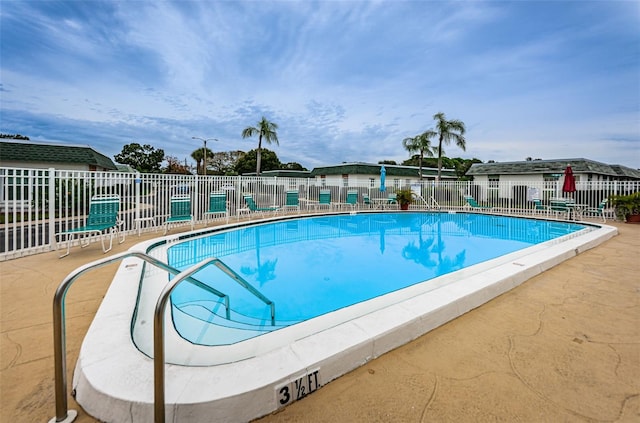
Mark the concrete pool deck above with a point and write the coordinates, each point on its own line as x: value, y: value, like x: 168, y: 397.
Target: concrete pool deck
x: 564, y: 346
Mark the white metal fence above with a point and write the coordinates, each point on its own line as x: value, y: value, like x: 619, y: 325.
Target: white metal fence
x: 35, y: 204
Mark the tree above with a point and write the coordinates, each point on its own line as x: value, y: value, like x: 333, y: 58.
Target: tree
x: 387, y: 162
x: 247, y: 162
x: 175, y: 167
x: 14, y: 136
x: 462, y: 167
x: 223, y: 162
x: 421, y: 144
x: 447, y: 131
x: 198, y: 156
x: 142, y: 158
x: 293, y: 166
x: 264, y: 129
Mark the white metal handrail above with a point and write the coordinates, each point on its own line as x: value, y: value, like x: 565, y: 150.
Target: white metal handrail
x: 63, y: 414
x: 158, y: 325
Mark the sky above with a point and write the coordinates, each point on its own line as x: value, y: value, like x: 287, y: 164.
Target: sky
x: 345, y: 81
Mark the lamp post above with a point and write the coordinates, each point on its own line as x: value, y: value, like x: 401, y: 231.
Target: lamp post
x: 204, y: 151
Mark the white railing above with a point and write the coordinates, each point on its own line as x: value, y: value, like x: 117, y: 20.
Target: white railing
x: 35, y: 204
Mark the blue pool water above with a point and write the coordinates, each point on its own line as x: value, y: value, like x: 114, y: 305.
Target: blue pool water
x: 316, y: 265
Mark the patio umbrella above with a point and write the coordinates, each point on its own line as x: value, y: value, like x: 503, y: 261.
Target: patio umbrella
x: 569, y: 184
x: 383, y: 177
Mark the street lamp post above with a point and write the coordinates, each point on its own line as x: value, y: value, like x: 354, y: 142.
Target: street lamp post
x: 204, y: 151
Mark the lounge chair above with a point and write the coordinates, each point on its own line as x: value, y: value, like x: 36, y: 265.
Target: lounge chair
x: 352, y: 199
x: 539, y: 207
x: 292, y: 201
x: 324, y: 199
x: 473, y: 204
x: 392, y: 200
x: 366, y: 201
x: 102, y: 220
x: 218, y: 205
x: 251, y: 205
x: 559, y: 206
x: 180, y: 212
x: 597, y: 211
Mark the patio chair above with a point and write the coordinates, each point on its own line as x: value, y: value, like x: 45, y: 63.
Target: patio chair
x: 292, y: 201
x: 218, y: 205
x: 392, y: 200
x: 538, y: 206
x: 559, y: 206
x: 251, y: 205
x: 180, y: 212
x: 324, y: 199
x: 366, y: 201
x: 597, y: 211
x: 473, y: 204
x: 352, y: 198
x: 102, y: 220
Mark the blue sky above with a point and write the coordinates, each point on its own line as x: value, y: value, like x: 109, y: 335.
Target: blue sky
x: 344, y: 80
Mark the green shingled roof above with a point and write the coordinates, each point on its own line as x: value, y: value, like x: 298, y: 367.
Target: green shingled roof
x: 53, y: 153
x: 552, y: 166
x: 282, y: 173
x: 374, y: 169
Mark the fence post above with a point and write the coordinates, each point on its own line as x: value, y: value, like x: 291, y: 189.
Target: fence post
x: 136, y: 216
x: 52, y: 208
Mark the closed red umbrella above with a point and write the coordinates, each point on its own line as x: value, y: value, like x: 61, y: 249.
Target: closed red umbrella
x: 569, y: 184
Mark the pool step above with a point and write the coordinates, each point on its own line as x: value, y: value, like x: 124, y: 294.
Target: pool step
x: 215, y: 313
x: 210, y: 334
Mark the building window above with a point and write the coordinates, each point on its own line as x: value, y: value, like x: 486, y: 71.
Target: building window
x: 345, y: 180
x: 494, y: 181
x: 396, y: 183
x: 372, y: 182
x: 323, y: 180
x: 550, y: 180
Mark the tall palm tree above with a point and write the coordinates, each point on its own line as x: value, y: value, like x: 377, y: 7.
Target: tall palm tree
x: 264, y: 129
x: 420, y: 143
x: 448, y: 130
x: 198, y: 156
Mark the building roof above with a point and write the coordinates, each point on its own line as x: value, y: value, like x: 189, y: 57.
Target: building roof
x: 552, y: 166
x: 282, y: 173
x: 626, y: 171
x: 35, y: 151
x: 374, y: 169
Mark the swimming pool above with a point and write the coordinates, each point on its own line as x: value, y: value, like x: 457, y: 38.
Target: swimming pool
x: 244, y: 380
x: 313, y: 266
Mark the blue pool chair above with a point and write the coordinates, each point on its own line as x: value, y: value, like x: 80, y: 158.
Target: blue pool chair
x: 597, y: 211
x: 180, y: 209
x: 251, y: 205
x: 473, y: 204
x: 559, y: 207
x: 538, y: 206
x: 292, y: 201
x: 366, y: 201
x: 102, y: 220
x: 352, y: 199
x: 324, y: 199
x: 218, y: 205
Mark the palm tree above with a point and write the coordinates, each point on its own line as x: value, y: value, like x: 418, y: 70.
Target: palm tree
x: 198, y: 156
x: 448, y: 130
x: 264, y: 129
x: 420, y: 143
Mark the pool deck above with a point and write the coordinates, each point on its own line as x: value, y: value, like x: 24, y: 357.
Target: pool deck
x: 563, y: 346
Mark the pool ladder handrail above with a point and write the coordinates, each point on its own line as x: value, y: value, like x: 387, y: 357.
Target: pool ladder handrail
x: 63, y: 414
